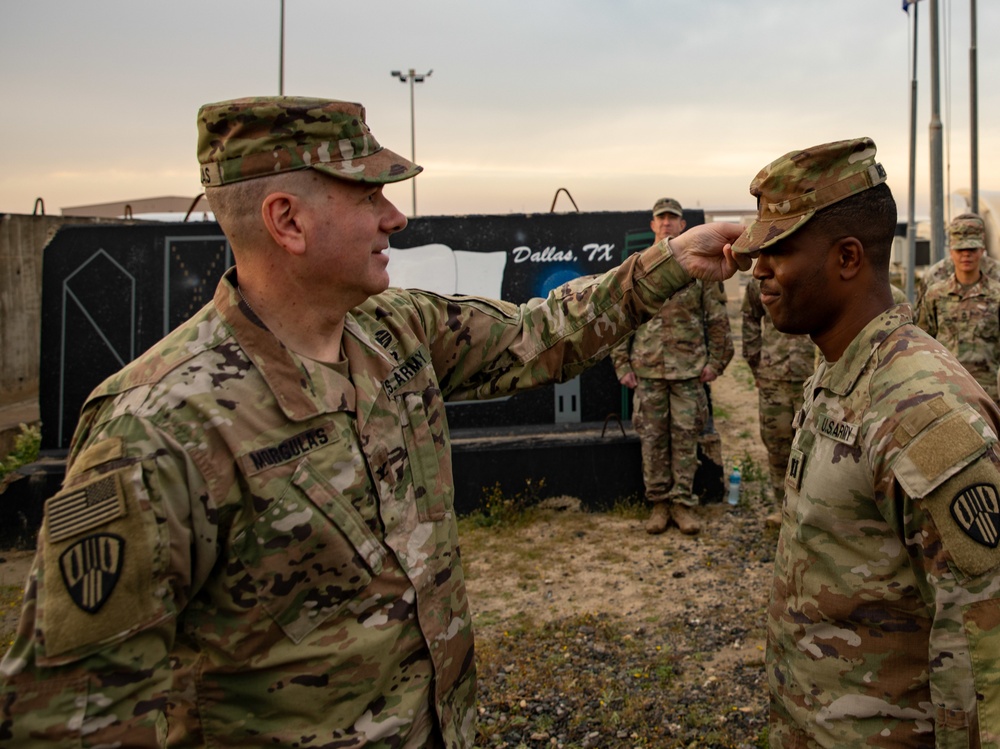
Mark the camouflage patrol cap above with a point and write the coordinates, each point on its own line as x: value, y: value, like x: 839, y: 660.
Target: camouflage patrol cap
x: 967, y: 232
x: 791, y: 189
x: 667, y: 205
x: 254, y: 137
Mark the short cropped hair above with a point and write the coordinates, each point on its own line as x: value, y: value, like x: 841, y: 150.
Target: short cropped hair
x: 869, y: 215
x: 237, y: 205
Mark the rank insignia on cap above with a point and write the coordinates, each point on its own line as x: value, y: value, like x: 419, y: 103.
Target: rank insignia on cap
x: 976, y: 509
x: 91, y: 568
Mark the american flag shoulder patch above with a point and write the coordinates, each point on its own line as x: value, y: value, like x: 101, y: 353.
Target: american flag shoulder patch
x: 83, y: 508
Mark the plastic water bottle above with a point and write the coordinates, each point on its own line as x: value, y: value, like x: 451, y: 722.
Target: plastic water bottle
x: 734, y: 487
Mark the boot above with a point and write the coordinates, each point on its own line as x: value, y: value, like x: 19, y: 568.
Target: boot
x: 659, y: 519
x: 686, y: 519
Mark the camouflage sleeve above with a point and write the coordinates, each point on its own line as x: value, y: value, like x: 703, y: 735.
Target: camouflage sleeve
x: 84, y: 663
x: 946, y: 490
x: 621, y: 356
x: 753, y: 314
x: 484, y: 348
x: 926, y: 314
x: 717, y: 331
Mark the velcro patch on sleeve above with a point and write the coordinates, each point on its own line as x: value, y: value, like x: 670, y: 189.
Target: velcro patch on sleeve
x: 919, y: 417
x: 82, y: 508
x: 966, y: 511
x: 938, y: 452
x: 112, y: 448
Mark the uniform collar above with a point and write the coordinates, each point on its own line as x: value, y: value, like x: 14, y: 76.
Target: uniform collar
x: 841, y: 375
x: 979, y: 287
x: 295, y: 392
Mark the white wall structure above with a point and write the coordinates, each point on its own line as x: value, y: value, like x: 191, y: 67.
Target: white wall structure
x: 438, y: 268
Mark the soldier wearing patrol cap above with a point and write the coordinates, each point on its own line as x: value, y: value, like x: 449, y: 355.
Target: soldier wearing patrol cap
x: 669, y: 361
x: 963, y: 311
x: 884, y: 619
x: 255, y: 543
x: 944, y: 269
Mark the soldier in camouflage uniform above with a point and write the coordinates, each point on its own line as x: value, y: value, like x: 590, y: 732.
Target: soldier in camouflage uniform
x: 884, y: 619
x: 963, y: 311
x: 668, y: 361
x: 781, y: 364
x: 944, y: 269
x: 255, y: 543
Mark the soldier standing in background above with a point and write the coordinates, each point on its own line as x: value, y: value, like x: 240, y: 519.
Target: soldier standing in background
x: 944, y: 269
x: 884, y: 618
x: 255, y: 543
x: 963, y: 311
x: 668, y: 361
x: 781, y: 364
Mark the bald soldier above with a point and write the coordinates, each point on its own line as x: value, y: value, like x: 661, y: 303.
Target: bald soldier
x: 884, y: 618
x: 255, y: 542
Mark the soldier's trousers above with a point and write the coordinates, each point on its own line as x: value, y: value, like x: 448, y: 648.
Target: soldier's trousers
x: 778, y: 401
x: 669, y: 417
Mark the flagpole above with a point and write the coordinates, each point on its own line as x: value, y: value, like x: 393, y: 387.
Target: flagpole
x: 911, y: 223
x: 937, y: 154
x: 974, y: 115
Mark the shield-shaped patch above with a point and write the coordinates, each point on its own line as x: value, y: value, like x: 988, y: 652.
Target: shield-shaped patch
x: 976, y: 509
x: 91, y: 568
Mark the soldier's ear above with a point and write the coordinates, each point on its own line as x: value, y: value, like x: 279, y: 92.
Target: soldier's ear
x: 850, y: 256
x: 283, y: 214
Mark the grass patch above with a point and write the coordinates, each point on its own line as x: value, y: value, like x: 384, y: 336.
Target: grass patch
x: 499, y: 509
x: 631, y: 507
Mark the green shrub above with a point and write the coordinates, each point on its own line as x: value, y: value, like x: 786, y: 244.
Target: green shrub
x: 496, y: 508
x: 25, y: 450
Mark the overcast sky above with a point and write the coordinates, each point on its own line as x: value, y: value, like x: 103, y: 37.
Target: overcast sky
x: 618, y: 101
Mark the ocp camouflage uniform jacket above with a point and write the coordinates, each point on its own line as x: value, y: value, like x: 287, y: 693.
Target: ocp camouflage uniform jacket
x: 967, y: 321
x: 944, y: 269
x: 689, y: 332
x: 884, y: 619
x: 771, y: 354
x: 281, y: 539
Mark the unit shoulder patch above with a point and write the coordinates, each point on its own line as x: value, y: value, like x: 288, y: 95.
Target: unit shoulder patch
x: 91, y: 568
x: 976, y: 509
x: 966, y: 511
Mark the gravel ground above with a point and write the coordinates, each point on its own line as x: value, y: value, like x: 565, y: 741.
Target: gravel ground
x: 660, y: 645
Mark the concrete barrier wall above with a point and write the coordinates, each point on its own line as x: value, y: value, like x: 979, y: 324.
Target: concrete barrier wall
x: 22, y: 238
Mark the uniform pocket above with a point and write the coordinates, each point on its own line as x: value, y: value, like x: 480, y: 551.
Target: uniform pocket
x: 988, y: 327
x: 308, y: 554
x: 425, y: 432
x: 982, y: 627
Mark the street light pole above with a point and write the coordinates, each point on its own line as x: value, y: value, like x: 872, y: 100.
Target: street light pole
x: 411, y: 77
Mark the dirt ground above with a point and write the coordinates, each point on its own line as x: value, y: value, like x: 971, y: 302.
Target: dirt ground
x: 570, y: 562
